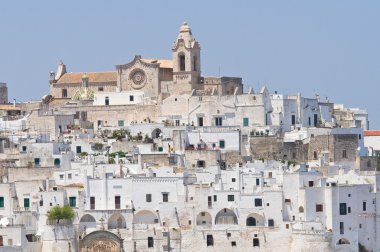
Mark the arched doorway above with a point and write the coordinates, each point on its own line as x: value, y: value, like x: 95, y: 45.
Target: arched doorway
x: 86, y: 221
x: 226, y: 217
x: 116, y: 221
x: 156, y: 133
x: 145, y: 217
x: 204, y: 219
x: 343, y: 241
x: 99, y: 241
x: 255, y: 219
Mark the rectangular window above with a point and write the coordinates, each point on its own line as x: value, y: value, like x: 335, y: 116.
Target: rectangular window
x: 341, y: 227
x: 319, y: 208
x: 64, y: 93
x: 61, y: 176
x: 218, y: 121
x: 343, y: 209
x: 311, y: 183
x: 364, y: 206
x: 177, y: 122
x: 344, y: 154
x: 1, y: 202
x: 79, y: 149
x: 23, y: 148
x: 165, y: 197
x: 92, y: 202
x: 201, y: 164
x: 258, y: 202
x: 287, y: 200
x: 26, y: 202
x: 293, y: 120
x: 131, y: 98
x: 150, y: 242
x: 245, y: 122
x: 69, y: 176
x: 244, y: 138
x: 120, y: 123
x: 215, y: 198
x: 200, y: 121
x: 107, y: 101
x: 231, y: 197
x: 117, y: 202
x: 148, y: 197
x: 315, y: 120
x: 256, y: 242
x: 73, y: 201
x: 270, y: 223
x: 37, y: 162
x: 257, y: 181
x: 349, y: 209
x: 100, y: 89
x: 222, y: 144
x: 233, y: 179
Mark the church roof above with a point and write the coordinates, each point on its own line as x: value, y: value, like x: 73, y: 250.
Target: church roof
x: 95, y: 77
x: 164, y: 63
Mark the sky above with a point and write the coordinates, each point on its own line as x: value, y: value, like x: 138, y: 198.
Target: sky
x: 325, y: 47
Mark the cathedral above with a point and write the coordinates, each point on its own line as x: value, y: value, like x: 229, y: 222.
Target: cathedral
x: 157, y: 78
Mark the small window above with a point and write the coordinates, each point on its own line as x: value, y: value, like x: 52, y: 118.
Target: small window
x: 1, y: 202
x: 341, y: 227
x: 189, y: 222
x: 245, y: 122
x: 182, y: 63
x: 69, y: 176
x: 61, y: 176
x: 343, y: 209
x: 215, y: 198
x: 100, y: 89
x: 256, y: 242
x: 201, y: 164
x: 293, y: 120
x: 257, y: 181
x: 270, y: 223
x: 64, y: 93
x: 37, y: 162
x: 148, y: 197
x: 231, y: 197
x: 177, y: 122
x: 23, y: 148
x: 349, y: 209
x: 131, y: 98
x: 228, y: 234
x: 315, y: 155
x: 233, y: 179
x: 233, y: 243
x: 72, y: 201
x: 150, y: 242
x: 26, y: 202
x: 222, y: 144
x: 349, y: 195
x: 107, y: 101
x: 92, y: 202
x: 165, y: 197
x: 218, y: 121
x: 344, y: 154
x: 120, y: 123
x: 287, y: 226
x: 210, y: 240
x: 287, y: 201
x: 258, y: 202
x: 364, y: 206
x: 319, y: 208
x: 79, y: 149
x: 57, y: 162
x: 311, y: 183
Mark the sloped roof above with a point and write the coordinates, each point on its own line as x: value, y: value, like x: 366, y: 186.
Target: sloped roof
x: 164, y: 63
x: 372, y: 133
x: 95, y: 77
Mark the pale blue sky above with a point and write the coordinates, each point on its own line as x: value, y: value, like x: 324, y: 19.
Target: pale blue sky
x: 326, y: 47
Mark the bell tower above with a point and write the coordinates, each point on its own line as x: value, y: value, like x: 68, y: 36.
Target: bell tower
x: 186, y: 58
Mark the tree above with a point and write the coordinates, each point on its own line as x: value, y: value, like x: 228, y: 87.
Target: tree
x: 60, y: 213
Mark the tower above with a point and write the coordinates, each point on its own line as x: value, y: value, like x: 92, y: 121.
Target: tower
x: 186, y: 58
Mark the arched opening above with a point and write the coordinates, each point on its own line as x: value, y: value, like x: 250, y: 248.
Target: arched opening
x: 116, y: 221
x: 101, y: 241
x: 343, y: 241
x: 204, y: 219
x: 85, y: 222
x: 182, y: 64
x: 145, y: 217
x: 226, y: 217
x: 57, y: 162
x: 251, y: 221
x: 156, y: 133
x: 255, y: 219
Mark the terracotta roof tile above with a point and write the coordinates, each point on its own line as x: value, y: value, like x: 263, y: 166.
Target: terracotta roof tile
x: 372, y: 133
x: 95, y: 77
x: 164, y: 63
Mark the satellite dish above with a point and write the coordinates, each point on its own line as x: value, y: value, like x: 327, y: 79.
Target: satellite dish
x: 4, y: 222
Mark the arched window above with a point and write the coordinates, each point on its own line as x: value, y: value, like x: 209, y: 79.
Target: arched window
x: 251, y: 221
x: 182, y: 63
x: 57, y: 162
x: 195, y: 63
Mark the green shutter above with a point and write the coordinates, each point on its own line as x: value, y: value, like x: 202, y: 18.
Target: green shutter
x: 72, y: 201
x: 120, y: 123
x: 26, y: 202
x: 222, y: 144
x: 245, y: 122
x: 1, y: 201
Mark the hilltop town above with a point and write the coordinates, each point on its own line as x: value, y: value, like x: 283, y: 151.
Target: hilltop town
x: 156, y: 156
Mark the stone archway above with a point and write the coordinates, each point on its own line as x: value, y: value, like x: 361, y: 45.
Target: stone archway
x: 116, y: 221
x: 204, y: 219
x: 100, y: 241
x: 86, y: 221
x: 226, y: 217
x: 255, y: 219
x: 145, y: 217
